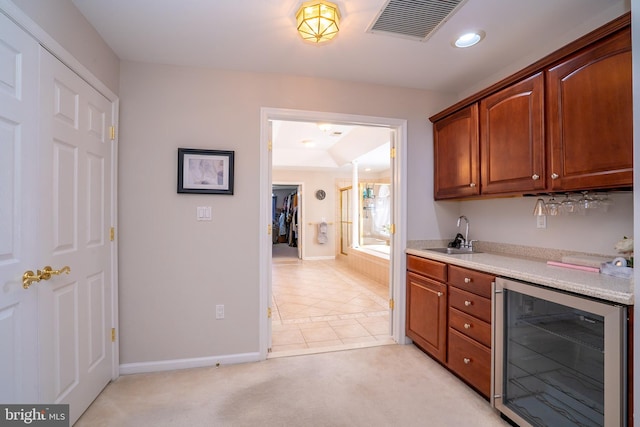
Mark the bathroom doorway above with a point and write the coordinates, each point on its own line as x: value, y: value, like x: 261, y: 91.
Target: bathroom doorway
x: 393, y: 292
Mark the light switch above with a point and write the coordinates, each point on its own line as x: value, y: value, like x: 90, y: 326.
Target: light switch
x: 203, y: 213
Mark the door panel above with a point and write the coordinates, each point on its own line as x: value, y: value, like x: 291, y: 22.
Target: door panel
x: 75, y: 309
x: 18, y: 177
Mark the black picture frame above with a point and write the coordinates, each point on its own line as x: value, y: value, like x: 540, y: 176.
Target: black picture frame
x: 205, y: 171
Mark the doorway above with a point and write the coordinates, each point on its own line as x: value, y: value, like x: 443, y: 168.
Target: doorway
x: 397, y: 128
x: 286, y: 208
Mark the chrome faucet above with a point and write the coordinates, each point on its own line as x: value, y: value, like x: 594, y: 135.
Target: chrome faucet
x: 466, y: 233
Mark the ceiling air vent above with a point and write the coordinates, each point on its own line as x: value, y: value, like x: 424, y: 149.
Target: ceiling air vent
x: 415, y: 19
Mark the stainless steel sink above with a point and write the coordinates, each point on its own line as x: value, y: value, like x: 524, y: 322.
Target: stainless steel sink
x: 454, y: 251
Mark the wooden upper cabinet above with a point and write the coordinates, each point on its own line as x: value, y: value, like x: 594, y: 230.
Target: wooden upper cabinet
x: 589, y: 101
x: 512, y: 155
x: 456, y: 155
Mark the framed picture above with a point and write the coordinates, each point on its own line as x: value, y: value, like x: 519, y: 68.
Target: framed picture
x: 205, y: 171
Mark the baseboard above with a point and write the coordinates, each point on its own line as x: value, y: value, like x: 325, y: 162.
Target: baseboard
x: 198, y: 362
x: 319, y: 258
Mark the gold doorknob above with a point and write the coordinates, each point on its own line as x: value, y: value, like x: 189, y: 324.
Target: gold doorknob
x: 45, y: 274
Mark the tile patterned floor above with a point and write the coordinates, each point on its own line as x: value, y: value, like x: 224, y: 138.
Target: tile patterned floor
x: 322, y: 304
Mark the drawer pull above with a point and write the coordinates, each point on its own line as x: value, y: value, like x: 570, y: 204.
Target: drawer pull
x: 467, y: 325
x: 467, y: 280
x: 466, y: 360
x: 535, y: 177
x: 472, y: 185
x: 468, y: 303
x: 555, y: 176
x: 439, y: 294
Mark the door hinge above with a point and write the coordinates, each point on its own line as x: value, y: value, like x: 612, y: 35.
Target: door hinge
x: 392, y: 304
x: 112, y: 234
x: 270, y: 145
x: 268, y: 312
x: 113, y: 334
x: 392, y: 229
x: 393, y: 153
x: 269, y: 230
x: 269, y: 350
x: 112, y: 132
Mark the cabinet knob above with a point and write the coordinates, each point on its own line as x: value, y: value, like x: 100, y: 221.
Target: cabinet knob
x: 555, y: 176
x: 467, y: 303
x: 466, y: 360
x: 535, y: 177
x: 467, y: 325
x: 467, y: 280
x: 439, y: 294
x: 472, y: 185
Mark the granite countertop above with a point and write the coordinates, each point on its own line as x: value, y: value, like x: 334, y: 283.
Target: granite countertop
x: 535, y: 270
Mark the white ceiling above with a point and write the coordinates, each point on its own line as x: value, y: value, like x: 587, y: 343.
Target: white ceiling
x: 303, y: 145
x: 260, y: 36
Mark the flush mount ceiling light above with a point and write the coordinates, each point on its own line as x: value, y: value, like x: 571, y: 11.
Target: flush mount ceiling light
x: 318, y: 20
x: 469, y: 39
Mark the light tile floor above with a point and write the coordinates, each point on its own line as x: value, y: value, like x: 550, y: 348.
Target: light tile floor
x: 322, y: 304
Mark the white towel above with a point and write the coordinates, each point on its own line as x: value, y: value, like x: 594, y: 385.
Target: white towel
x: 322, y: 233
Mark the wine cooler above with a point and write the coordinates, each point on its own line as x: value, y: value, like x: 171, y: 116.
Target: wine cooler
x: 559, y: 359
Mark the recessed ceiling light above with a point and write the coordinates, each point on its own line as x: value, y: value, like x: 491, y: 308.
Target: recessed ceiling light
x: 324, y: 126
x: 469, y: 39
x: 308, y: 142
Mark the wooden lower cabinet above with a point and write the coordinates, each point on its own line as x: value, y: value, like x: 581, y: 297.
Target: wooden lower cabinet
x: 451, y: 319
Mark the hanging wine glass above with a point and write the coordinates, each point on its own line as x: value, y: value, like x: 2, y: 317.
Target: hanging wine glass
x: 568, y: 205
x: 553, y: 206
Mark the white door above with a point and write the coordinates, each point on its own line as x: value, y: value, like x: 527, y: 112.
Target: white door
x: 18, y: 213
x: 75, y: 309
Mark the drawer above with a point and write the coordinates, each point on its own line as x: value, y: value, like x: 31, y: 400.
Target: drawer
x: 470, y: 326
x: 470, y: 360
x: 469, y: 303
x: 471, y: 280
x: 434, y: 269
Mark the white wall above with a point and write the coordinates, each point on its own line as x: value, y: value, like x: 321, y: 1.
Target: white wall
x: 314, y: 210
x: 173, y: 269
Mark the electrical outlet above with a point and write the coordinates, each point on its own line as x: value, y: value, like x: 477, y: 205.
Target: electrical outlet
x: 219, y: 311
x: 541, y: 221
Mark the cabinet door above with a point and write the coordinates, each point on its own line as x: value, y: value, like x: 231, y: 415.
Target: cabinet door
x: 427, y: 315
x: 590, y: 117
x: 455, y: 141
x: 512, y: 138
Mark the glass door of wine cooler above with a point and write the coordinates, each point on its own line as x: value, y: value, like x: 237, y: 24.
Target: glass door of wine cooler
x: 559, y: 358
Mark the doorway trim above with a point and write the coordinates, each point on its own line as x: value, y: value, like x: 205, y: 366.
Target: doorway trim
x: 399, y: 178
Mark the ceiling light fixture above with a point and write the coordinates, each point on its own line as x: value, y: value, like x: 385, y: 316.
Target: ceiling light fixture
x: 318, y: 21
x: 325, y: 127
x: 308, y: 142
x: 469, y: 39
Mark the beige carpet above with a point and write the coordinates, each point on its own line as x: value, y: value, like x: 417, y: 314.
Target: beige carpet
x: 390, y: 385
